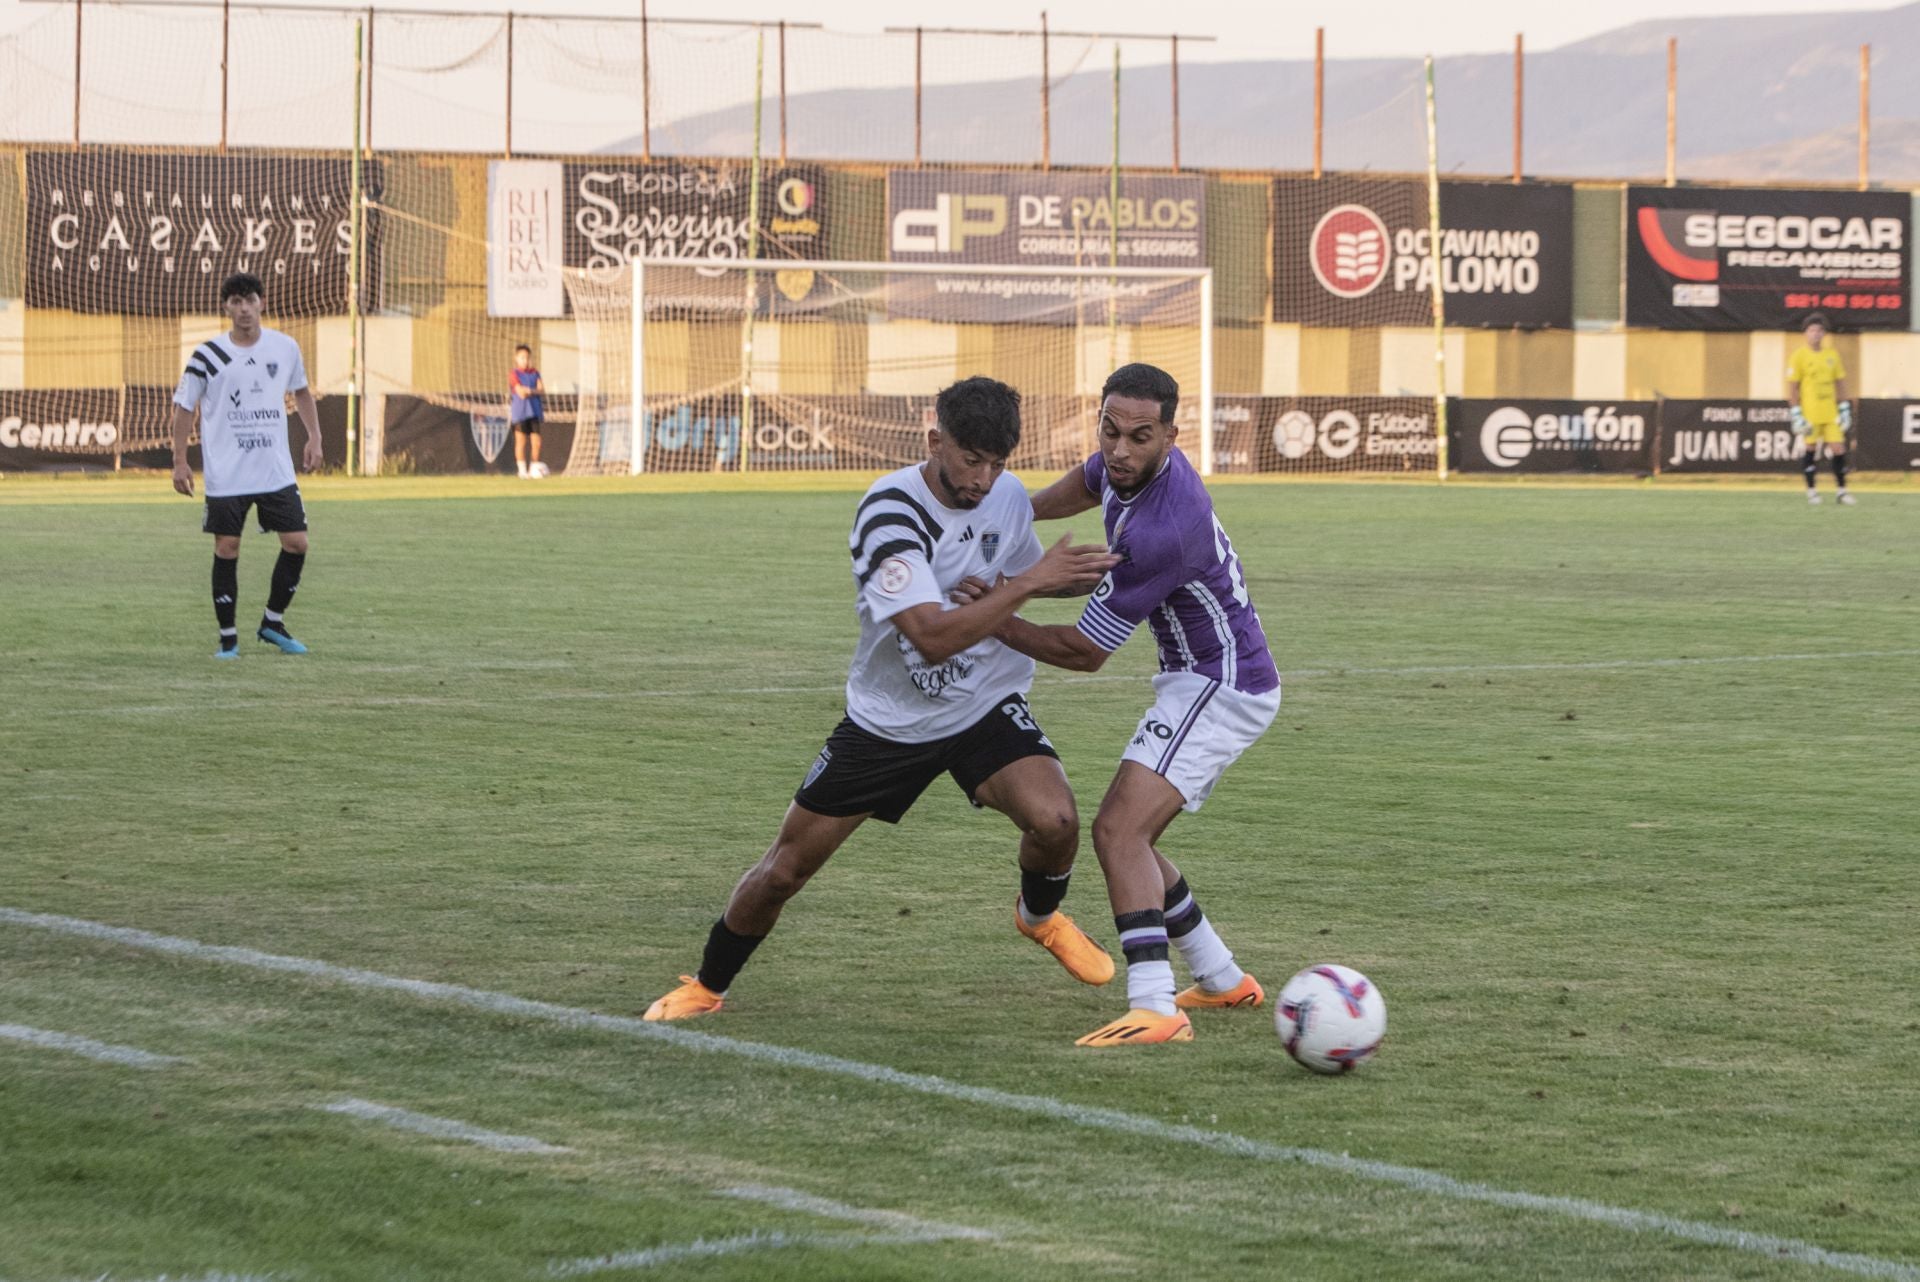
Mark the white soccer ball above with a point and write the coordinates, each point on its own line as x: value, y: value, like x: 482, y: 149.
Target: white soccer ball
x: 537, y: 468
x: 1330, y: 1018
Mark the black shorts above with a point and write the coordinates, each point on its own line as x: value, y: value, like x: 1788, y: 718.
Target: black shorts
x: 281, y: 512
x: 857, y: 772
x: 531, y: 426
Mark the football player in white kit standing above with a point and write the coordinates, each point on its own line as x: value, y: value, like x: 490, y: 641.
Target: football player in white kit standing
x: 930, y: 692
x: 239, y: 384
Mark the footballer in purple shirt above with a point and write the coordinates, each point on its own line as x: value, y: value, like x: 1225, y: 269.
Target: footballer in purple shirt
x: 1216, y: 693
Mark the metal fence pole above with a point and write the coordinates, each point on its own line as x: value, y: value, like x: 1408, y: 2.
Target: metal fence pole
x: 1046, y: 99
x: 77, y: 6
x: 1866, y: 81
x: 646, y: 88
x: 226, y: 46
x: 1319, y: 93
x: 1174, y: 67
x: 509, y: 84
x: 783, y: 91
x: 918, y: 40
x: 1673, y: 103
x: 1519, y: 99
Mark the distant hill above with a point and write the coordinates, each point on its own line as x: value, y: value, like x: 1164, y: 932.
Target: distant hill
x: 1770, y: 98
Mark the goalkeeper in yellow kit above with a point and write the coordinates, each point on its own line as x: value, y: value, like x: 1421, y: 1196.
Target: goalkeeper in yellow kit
x: 1822, y: 415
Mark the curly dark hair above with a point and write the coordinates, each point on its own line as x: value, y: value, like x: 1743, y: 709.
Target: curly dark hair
x: 1144, y: 383
x: 981, y: 414
x: 239, y: 285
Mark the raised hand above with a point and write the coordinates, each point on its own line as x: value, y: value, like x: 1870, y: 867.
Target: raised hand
x: 1068, y: 568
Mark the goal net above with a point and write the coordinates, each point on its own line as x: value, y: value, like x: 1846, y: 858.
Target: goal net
x: 115, y: 250
x: 792, y: 365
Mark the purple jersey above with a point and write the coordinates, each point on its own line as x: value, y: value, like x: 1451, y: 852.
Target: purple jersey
x: 1178, y: 574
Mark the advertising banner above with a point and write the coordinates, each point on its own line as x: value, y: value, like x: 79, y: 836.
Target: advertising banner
x: 1527, y: 436
x: 618, y: 211
x: 154, y: 235
x: 1320, y: 434
x: 97, y: 428
x: 1045, y: 220
x: 1731, y: 258
x: 1886, y: 436
x: 1727, y: 436
x: 1355, y: 251
x: 526, y: 201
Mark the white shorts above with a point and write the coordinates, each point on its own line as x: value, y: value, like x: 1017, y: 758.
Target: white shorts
x: 1196, y: 729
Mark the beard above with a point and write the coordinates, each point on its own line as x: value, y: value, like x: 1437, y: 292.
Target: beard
x: 1143, y: 473
x: 951, y: 493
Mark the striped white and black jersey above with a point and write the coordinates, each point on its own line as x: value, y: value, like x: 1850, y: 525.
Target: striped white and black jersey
x: 909, y: 549
x: 241, y: 393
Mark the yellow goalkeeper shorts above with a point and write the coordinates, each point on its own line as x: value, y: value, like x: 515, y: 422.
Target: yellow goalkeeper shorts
x: 1828, y: 433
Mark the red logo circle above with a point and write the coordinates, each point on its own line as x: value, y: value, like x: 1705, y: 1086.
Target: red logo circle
x: 1350, y: 250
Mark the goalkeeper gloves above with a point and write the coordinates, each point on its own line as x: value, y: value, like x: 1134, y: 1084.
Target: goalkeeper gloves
x: 1846, y: 416
x: 1799, y: 420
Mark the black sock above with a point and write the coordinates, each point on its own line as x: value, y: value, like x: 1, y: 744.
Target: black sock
x: 1143, y: 935
x: 1042, y: 892
x: 726, y: 954
x: 286, y: 581
x: 1183, y: 910
x: 1840, y: 470
x: 1810, y: 467
x: 226, y: 586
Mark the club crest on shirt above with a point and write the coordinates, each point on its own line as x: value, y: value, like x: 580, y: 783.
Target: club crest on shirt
x: 273, y: 369
x: 990, y: 545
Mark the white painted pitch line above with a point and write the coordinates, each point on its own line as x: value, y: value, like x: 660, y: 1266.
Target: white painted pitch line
x: 445, y: 1128
x: 826, y: 1208
x: 1102, y: 1119
x: 105, y: 1052
x: 901, y: 1230
x: 704, y: 1248
x: 1289, y: 674
x: 194, y: 1277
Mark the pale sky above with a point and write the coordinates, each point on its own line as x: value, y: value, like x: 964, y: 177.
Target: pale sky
x: 1246, y: 28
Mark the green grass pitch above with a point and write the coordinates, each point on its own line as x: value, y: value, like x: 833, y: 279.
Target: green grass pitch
x: 1610, y: 789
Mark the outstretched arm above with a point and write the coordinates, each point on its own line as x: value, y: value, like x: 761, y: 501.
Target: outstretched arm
x: 1058, y: 645
x: 1065, y: 497
x: 939, y: 634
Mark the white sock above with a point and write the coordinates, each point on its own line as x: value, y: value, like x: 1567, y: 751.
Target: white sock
x: 522, y: 466
x: 1209, y: 958
x: 1150, y: 986
x: 1027, y: 917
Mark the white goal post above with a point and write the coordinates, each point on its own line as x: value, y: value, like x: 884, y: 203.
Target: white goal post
x: 785, y: 364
